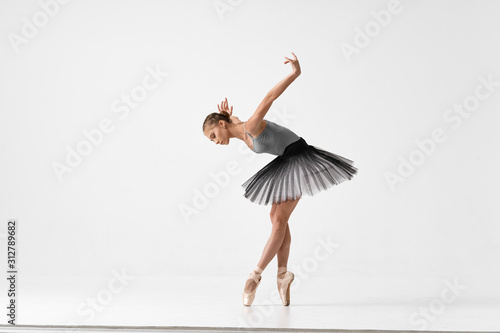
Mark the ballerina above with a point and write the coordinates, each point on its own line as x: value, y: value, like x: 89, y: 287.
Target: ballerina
x: 298, y: 169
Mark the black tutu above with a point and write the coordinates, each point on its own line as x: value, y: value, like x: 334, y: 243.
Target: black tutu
x: 301, y: 169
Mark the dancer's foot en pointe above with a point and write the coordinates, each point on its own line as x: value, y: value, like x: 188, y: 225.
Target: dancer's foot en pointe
x: 252, y: 283
x: 284, y: 279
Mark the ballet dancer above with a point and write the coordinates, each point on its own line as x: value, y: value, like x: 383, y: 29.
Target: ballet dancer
x: 299, y: 168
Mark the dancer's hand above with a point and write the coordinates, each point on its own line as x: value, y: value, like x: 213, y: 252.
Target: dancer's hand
x: 295, y: 64
x: 224, y: 107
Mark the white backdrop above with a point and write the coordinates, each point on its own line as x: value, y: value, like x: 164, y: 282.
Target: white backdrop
x: 105, y: 165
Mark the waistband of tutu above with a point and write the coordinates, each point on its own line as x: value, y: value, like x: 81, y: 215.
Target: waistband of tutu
x: 295, y: 148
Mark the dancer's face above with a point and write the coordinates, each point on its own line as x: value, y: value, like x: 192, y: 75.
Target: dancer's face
x: 218, y: 133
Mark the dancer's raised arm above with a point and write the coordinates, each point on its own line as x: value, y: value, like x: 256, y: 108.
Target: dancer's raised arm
x: 254, y: 121
x: 278, y: 89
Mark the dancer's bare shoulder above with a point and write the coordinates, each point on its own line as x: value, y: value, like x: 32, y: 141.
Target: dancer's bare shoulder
x: 255, y: 129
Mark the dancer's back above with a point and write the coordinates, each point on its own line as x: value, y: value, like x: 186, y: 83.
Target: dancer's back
x: 273, y: 140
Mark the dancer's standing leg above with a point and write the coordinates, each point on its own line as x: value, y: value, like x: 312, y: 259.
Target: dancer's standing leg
x: 280, y: 214
x: 284, y: 250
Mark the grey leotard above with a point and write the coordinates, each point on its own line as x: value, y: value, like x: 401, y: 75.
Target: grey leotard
x: 273, y: 140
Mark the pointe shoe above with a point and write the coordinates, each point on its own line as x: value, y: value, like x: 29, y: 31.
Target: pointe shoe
x: 284, y: 287
x: 248, y: 298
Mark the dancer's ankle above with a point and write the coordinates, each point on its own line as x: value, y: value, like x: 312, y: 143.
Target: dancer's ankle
x: 257, y: 270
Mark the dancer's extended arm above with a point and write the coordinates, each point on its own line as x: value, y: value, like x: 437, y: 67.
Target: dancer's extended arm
x: 278, y: 89
x: 264, y: 106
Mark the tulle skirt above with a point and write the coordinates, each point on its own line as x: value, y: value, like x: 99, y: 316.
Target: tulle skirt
x: 301, y: 169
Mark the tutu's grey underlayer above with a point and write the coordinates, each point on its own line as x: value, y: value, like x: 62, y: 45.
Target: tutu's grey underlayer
x: 301, y: 169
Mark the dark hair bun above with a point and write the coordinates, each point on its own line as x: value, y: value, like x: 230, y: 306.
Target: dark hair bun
x: 225, y: 114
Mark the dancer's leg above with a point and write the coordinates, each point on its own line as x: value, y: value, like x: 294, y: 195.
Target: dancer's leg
x: 279, y: 219
x: 284, y: 250
x: 280, y: 223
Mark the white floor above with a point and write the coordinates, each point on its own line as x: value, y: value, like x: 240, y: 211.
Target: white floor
x: 316, y: 303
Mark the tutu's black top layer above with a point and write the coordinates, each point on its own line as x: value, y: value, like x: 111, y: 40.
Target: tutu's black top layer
x: 273, y: 140
x: 298, y: 169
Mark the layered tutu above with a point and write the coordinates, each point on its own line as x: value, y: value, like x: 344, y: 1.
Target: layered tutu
x: 301, y: 169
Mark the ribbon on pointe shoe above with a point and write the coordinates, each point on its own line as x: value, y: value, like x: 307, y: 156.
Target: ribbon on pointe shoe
x: 256, y: 276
